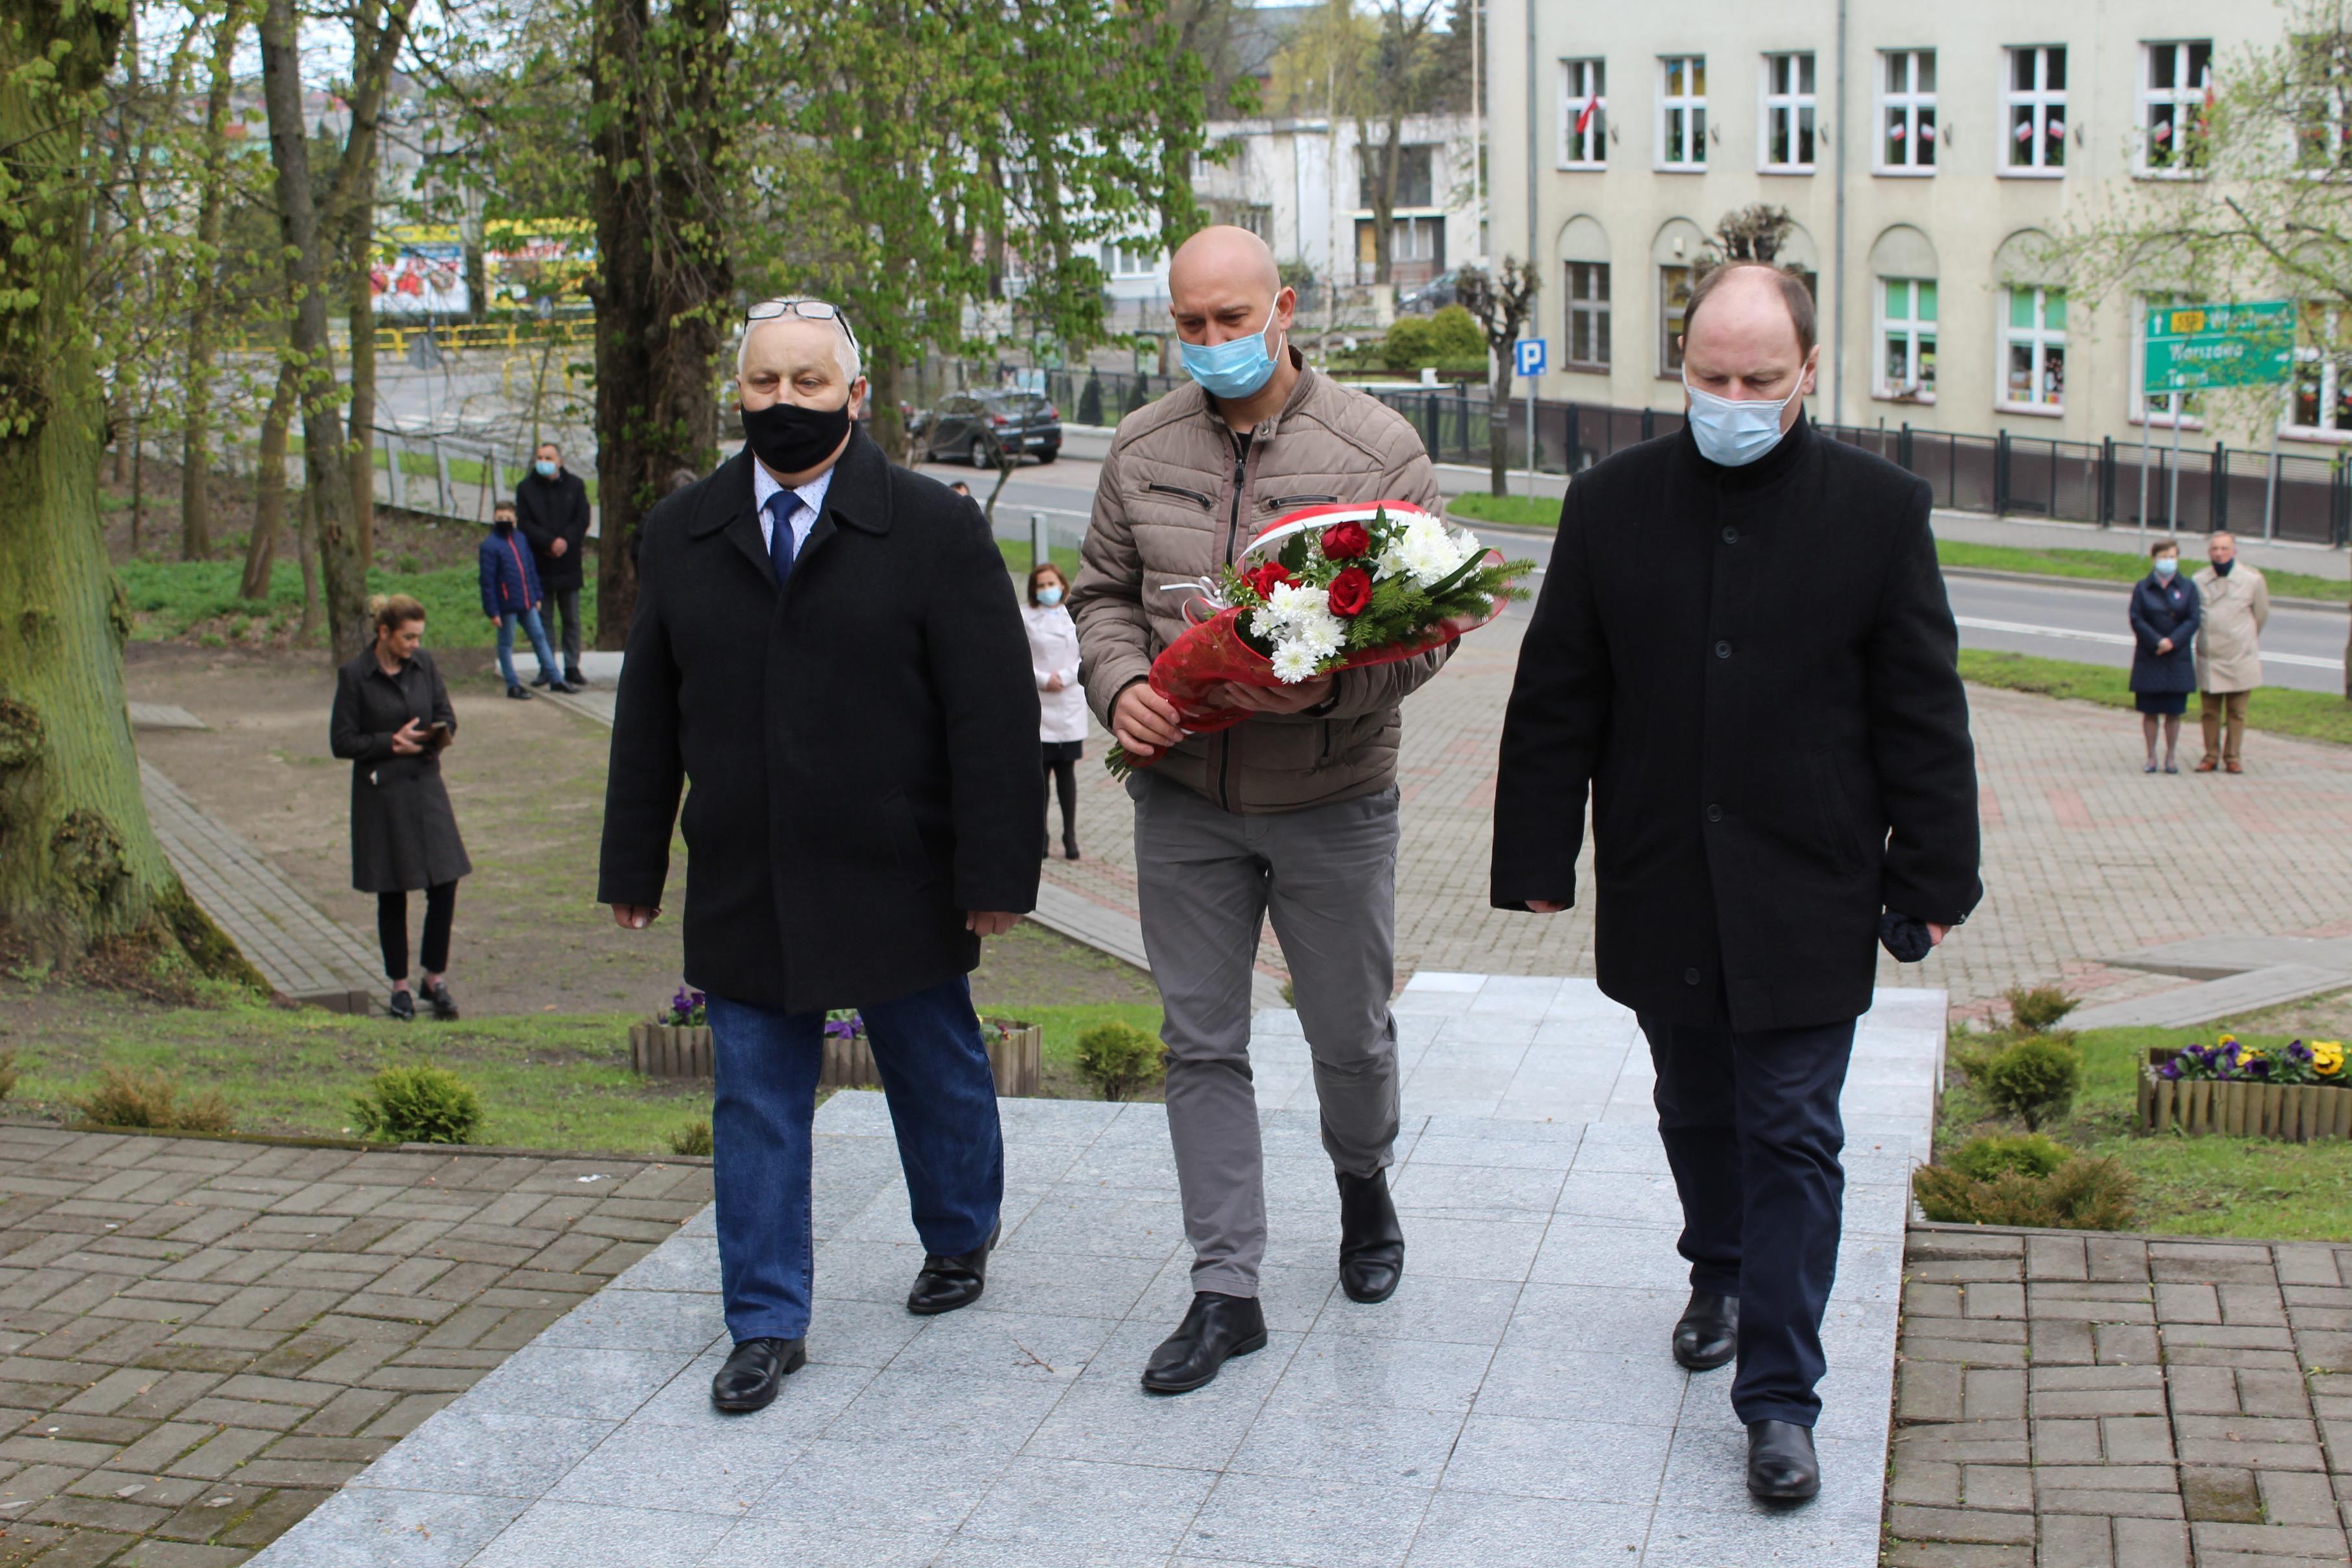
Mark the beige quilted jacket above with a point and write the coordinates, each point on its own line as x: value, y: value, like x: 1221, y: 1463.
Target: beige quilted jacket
x: 1180, y: 494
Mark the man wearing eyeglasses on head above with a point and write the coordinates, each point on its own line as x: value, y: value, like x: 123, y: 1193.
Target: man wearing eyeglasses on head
x: 829, y: 654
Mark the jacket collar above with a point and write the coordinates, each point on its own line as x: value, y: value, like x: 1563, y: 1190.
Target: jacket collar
x: 860, y: 496
x: 1309, y: 377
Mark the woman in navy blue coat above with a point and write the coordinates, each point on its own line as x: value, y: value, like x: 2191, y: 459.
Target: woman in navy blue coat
x: 2164, y: 665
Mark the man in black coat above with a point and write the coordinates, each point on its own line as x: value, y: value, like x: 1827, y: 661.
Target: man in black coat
x: 1744, y: 650
x: 552, y: 509
x: 829, y: 653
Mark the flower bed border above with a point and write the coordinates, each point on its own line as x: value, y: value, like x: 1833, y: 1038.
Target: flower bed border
x: 1016, y: 1055
x: 2238, y: 1107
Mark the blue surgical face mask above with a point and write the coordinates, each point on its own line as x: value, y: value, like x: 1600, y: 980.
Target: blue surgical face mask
x: 1049, y: 597
x: 1735, y: 432
x: 2166, y: 565
x: 543, y: 468
x: 1232, y: 370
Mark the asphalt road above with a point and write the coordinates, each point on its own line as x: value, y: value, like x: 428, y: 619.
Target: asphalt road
x: 2302, y: 648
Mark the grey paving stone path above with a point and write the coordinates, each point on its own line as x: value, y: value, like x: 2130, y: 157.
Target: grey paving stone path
x: 301, y: 952
x: 2233, y: 975
x: 199, y: 1340
x: 1513, y: 1404
x: 2073, y: 1401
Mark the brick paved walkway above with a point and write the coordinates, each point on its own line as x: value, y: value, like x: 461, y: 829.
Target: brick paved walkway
x: 2068, y: 1401
x: 204, y: 1339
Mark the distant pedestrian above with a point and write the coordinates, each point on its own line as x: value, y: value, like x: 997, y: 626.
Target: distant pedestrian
x: 393, y: 719
x: 510, y: 594
x: 2164, y: 666
x: 1061, y: 703
x: 552, y: 505
x: 2234, y: 605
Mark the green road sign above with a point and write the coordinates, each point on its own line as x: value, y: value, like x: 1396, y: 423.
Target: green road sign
x: 2194, y: 346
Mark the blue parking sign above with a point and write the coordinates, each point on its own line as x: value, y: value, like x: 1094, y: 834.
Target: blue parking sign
x: 1534, y: 353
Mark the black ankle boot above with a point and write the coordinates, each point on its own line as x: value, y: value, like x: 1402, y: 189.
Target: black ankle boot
x: 1709, y: 1335
x: 1215, y: 1328
x: 1782, y: 1465
x: 755, y: 1369
x: 1372, y: 1243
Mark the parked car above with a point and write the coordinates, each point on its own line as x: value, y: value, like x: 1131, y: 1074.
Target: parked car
x: 1427, y: 298
x: 974, y: 427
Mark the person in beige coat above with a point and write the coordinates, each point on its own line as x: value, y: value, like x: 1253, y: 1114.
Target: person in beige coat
x: 2237, y: 605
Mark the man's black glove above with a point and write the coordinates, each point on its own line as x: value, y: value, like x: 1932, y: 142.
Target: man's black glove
x: 1904, y: 937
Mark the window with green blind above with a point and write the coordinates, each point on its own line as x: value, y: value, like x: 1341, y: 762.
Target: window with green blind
x: 1907, y: 340
x: 2033, y: 339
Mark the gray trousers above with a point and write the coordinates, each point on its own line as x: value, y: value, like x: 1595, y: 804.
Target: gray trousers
x: 564, y: 603
x: 1206, y: 881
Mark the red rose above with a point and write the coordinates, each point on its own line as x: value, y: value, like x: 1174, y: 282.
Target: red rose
x: 1351, y: 590
x: 1345, y: 542
x: 1262, y: 579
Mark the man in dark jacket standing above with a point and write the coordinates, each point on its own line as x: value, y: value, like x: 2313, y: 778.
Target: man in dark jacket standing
x: 1744, y: 650
x: 552, y: 505
x: 829, y: 653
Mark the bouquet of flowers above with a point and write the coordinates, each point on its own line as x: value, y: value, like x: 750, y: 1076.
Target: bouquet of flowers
x: 1326, y: 588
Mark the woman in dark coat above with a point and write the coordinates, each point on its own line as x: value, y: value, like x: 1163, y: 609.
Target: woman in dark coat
x: 393, y: 719
x: 2164, y: 614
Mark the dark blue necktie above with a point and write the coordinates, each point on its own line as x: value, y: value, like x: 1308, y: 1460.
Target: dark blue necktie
x: 782, y: 549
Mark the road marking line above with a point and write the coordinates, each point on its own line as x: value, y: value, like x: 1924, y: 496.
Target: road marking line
x: 2119, y: 640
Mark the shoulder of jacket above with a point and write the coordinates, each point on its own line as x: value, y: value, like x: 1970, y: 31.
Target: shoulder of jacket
x: 1361, y: 419
x: 1853, y: 465
x: 1171, y: 408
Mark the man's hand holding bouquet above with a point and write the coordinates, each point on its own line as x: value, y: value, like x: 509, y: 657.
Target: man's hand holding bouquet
x: 1320, y: 590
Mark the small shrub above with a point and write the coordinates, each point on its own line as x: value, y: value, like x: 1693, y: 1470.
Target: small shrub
x: 2034, y: 1080
x: 2083, y: 1193
x: 1119, y: 1058
x: 10, y: 1069
x: 2036, y: 1009
x: 1410, y: 343
x: 1988, y: 1158
x: 419, y: 1104
x: 1454, y: 334
x: 1090, y: 401
x: 1289, y: 994
x: 694, y: 1138
x: 124, y: 1099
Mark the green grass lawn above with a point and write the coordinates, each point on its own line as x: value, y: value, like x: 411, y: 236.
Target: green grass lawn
x: 546, y: 1080
x: 1514, y: 511
x: 172, y: 598
x: 2314, y: 715
x: 2114, y: 566
x: 2188, y: 1186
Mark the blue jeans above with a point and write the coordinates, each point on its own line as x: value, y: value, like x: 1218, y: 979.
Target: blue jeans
x: 942, y: 1096
x: 529, y: 619
x: 1753, y: 1133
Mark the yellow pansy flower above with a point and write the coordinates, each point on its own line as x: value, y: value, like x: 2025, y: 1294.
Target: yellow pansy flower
x: 2327, y: 1058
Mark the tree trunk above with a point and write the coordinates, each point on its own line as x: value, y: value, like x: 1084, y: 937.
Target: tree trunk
x: 269, y: 490
x: 196, y: 387
x: 326, y: 475
x: 883, y: 382
x: 360, y: 223
x: 661, y: 266
x: 80, y: 864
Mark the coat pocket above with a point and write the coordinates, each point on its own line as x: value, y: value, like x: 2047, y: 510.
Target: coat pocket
x: 1840, y: 834
x: 1292, y: 502
x: 906, y: 840
x: 1195, y: 497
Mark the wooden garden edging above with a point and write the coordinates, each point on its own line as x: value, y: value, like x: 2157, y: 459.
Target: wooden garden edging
x: 2240, y: 1108
x: 1016, y: 1055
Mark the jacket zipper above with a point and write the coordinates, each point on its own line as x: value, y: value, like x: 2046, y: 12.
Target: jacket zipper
x: 1233, y: 539
x: 1158, y: 488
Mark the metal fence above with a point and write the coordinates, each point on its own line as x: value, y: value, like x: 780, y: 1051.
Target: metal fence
x: 2202, y: 490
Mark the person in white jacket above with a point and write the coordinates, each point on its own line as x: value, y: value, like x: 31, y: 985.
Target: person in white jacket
x: 1061, y: 704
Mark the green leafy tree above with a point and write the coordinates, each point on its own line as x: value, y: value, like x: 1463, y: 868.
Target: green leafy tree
x: 1499, y: 304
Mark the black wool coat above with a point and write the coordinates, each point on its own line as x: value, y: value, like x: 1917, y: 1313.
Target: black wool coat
x: 552, y: 509
x: 1752, y: 671
x: 2161, y: 610
x: 862, y: 747
x: 403, y: 832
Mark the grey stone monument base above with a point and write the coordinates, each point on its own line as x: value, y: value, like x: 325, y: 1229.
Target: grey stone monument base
x: 1513, y: 1404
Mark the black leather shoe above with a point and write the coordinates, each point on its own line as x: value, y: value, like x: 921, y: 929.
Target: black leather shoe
x: 517, y: 694
x: 1709, y: 1335
x: 576, y: 680
x: 536, y: 680
x: 1214, y: 1327
x: 1069, y: 849
x: 1781, y: 1466
x: 946, y: 1283
x: 402, y: 1006
x: 754, y: 1371
x: 1372, y: 1243
x: 445, y: 1006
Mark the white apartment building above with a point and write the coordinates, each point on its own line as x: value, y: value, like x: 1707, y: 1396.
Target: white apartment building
x: 1925, y: 151
x: 1302, y: 186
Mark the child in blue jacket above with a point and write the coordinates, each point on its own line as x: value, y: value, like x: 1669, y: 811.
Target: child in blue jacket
x: 511, y: 594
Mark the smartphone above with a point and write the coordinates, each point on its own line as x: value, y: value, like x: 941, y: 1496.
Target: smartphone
x: 438, y: 735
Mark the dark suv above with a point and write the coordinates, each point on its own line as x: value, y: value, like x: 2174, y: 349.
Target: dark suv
x: 974, y: 427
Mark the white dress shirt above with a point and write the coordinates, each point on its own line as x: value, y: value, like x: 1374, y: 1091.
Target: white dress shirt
x: 812, y: 496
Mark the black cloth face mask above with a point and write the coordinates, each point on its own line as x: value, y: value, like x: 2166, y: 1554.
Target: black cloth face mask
x: 791, y: 439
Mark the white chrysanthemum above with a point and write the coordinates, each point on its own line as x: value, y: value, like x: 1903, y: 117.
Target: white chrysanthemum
x: 1390, y: 562
x: 1321, y: 635
x: 1289, y: 600
x: 1265, y: 625
x: 1294, y: 662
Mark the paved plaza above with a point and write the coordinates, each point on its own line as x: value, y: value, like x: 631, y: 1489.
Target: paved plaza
x: 1513, y: 1404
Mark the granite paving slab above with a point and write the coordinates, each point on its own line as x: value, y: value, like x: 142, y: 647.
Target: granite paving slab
x: 1514, y: 1403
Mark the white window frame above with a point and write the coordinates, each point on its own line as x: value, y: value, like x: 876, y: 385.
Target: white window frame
x: 2334, y: 376
x: 2323, y: 83
x: 1597, y: 311
x: 2192, y: 416
x: 1794, y: 104
x: 1578, y: 80
x: 1670, y: 367
x: 2185, y: 104
x: 1911, y: 329
x: 1686, y: 108
x: 2043, y: 103
x: 1908, y: 105
x: 2039, y: 337
x: 1131, y: 258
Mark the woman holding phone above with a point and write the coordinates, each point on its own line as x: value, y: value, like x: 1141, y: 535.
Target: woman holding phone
x: 391, y: 719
